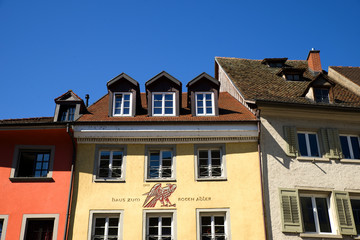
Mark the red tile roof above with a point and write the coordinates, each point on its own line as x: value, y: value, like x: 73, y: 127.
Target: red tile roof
x: 230, y: 110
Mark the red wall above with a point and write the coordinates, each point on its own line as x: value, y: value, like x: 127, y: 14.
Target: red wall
x: 18, y: 198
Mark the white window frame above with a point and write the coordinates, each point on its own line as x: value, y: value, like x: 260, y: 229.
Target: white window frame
x: 27, y: 217
x: 109, y: 148
x: 161, y: 149
x: 122, y: 104
x: 316, y: 218
x: 5, y: 219
x: 163, y: 103
x: 105, y: 213
x: 350, y: 145
x: 35, y: 148
x: 160, y: 213
x: 307, y: 142
x: 328, y: 94
x: 213, y: 212
x: 221, y: 148
x: 204, y: 104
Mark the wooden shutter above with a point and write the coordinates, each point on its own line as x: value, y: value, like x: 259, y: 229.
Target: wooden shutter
x: 330, y: 142
x: 344, y: 213
x: 290, y: 211
x: 291, y: 140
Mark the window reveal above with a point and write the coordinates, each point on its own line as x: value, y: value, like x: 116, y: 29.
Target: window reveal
x: 110, y: 164
x: 163, y: 104
x: 350, y: 147
x: 160, y: 164
x: 308, y: 144
x: 33, y: 164
x: 204, y: 104
x: 122, y: 104
x: 159, y: 228
x: 210, y: 164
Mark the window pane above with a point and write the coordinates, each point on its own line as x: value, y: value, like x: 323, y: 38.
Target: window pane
x: 157, y: 111
x: 296, y: 77
x: 127, y: 97
x: 1, y: 226
x: 323, y: 214
x: 169, y: 104
x: 355, y: 147
x: 200, y: 104
x: 345, y: 147
x: 157, y: 104
x: 302, y: 144
x: 313, y: 145
x: 158, y: 97
x: 39, y: 229
x: 169, y: 110
x: 208, y: 110
x: 126, y: 104
x: 308, y: 214
x: 126, y: 111
x: 168, y: 97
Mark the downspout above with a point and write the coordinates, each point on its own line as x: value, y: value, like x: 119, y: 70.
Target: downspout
x: 261, y: 173
x: 68, y: 130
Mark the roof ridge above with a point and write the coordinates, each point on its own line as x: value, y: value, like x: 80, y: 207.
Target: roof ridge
x: 11, y: 119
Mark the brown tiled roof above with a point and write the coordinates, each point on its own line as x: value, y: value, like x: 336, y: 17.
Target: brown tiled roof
x: 38, y: 120
x: 229, y: 110
x: 352, y: 73
x: 259, y: 82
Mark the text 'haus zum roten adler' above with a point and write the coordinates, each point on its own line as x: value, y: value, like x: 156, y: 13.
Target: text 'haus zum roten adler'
x: 267, y: 149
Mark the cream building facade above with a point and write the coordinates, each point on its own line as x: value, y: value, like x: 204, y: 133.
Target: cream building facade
x: 167, y: 173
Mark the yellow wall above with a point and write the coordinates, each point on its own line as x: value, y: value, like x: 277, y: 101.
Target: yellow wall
x: 241, y: 193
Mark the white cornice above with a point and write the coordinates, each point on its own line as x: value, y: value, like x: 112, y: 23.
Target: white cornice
x: 166, y: 131
x: 167, y: 140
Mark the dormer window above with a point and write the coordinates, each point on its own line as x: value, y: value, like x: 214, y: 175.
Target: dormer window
x: 321, y: 95
x: 124, y: 96
x: 274, y: 62
x: 163, y: 95
x: 67, y: 113
x: 204, y: 104
x: 122, y: 104
x: 163, y: 104
x: 69, y: 107
x: 292, y: 77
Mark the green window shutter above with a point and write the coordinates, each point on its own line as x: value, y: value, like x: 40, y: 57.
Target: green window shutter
x: 335, y: 143
x: 290, y: 211
x: 344, y: 213
x: 291, y: 140
x: 324, y: 142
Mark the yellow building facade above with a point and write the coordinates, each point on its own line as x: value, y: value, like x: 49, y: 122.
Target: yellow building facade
x: 186, y: 176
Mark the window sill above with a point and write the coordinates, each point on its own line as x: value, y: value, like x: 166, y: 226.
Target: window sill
x: 108, y: 180
x: 314, y: 235
x: 211, y: 179
x: 31, y: 179
x: 345, y: 160
x: 160, y: 180
x: 313, y: 159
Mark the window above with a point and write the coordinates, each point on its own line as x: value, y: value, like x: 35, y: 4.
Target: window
x: 110, y: 163
x: 204, y: 104
x: 321, y: 95
x: 122, y: 104
x: 275, y: 64
x: 308, y: 144
x: 213, y: 224
x: 350, y: 147
x: 293, y: 77
x: 33, y: 162
x: 66, y: 113
x: 316, y: 214
x: 3, y: 224
x: 210, y: 162
x: 105, y: 224
x: 163, y: 104
x: 39, y: 226
x: 160, y: 225
x: 355, y: 204
x: 160, y: 163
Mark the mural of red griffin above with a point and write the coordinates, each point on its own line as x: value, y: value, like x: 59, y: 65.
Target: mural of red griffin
x: 158, y: 193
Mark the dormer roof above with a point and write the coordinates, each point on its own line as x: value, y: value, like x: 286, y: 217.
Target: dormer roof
x: 160, y: 75
x: 68, y: 96
x: 290, y: 70
x: 120, y: 77
x: 274, y: 60
x: 201, y: 76
x: 321, y: 81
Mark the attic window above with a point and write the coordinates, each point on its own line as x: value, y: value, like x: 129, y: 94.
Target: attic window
x: 122, y: 104
x: 67, y: 113
x: 292, y: 77
x: 276, y: 64
x: 321, y: 95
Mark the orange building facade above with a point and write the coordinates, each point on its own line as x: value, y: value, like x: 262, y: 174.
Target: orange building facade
x: 35, y: 178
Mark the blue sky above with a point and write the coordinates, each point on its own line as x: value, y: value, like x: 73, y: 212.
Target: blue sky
x: 48, y: 47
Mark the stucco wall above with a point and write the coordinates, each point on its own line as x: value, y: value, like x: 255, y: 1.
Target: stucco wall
x: 281, y: 171
x: 241, y: 192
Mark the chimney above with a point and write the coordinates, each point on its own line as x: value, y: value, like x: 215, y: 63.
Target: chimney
x: 314, y: 62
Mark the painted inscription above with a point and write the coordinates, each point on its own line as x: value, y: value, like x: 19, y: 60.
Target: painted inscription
x: 125, y: 199
x: 193, y: 199
x: 158, y: 193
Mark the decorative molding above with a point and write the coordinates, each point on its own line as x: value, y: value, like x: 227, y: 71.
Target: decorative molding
x: 168, y: 140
